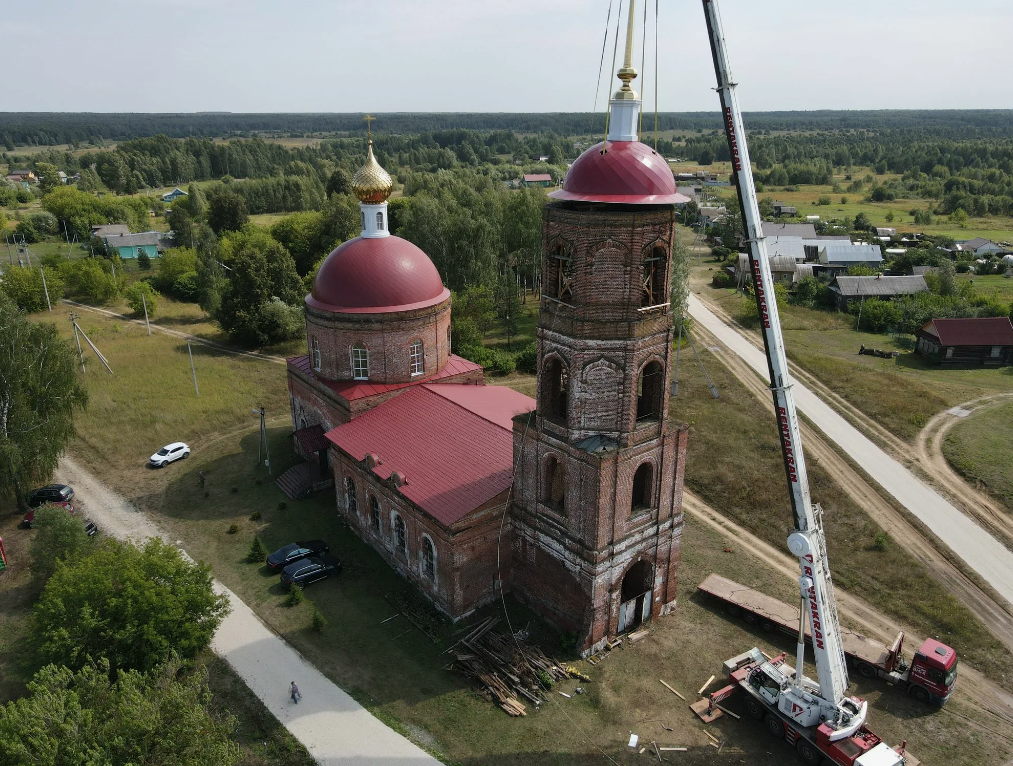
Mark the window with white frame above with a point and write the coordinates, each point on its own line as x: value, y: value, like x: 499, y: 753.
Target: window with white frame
x: 416, y: 359
x: 363, y: 214
x: 360, y: 362
x: 374, y: 513
x: 428, y: 558
x: 316, y: 354
x: 379, y: 220
x: 400, y: 534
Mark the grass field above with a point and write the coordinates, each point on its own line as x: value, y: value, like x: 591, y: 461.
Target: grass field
x: 993, y: 284
x: 979, y: 448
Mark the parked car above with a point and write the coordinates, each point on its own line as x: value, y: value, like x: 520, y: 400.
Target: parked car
x: 89, y: 526
x: 51, y: 493
x: 293, y: 552
x: 170, y: 453
x: 302, y: 573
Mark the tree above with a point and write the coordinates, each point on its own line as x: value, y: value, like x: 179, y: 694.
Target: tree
x: 59, y: 536
x: 39, y: 392
x: 508, y: 304
x: 24, y: 286
x: 174, y: 262
x: 862, y: 222
x: 226, y: 210
x: 162, y: 717
x: 131, y: 606
x: 339, y: 182
x: 90, y: 280
x: 197, y: 203
x: 142, y: 296
x: 143, y: 260
x: 49, y: 177
x: 706, y: 157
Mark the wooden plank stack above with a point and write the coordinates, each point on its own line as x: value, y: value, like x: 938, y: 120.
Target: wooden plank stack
x: 507, y: 668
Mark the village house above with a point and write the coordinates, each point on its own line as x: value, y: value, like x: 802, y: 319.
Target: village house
x: 22, y: 177
x: 537, y: 179
x: 975, y: 342
x: 981, y: 247
x: 784, y: 209
x: 844, y: 255
x: 848, y: 290
x: 128, y: 246
x: 803, y: 230
x: 174, y: 195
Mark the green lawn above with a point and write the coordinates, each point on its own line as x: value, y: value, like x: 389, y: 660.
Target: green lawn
x: 980, y: 449
x: 993, y: 284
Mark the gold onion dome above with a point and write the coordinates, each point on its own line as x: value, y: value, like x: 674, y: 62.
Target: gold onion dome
x: 371, y: 183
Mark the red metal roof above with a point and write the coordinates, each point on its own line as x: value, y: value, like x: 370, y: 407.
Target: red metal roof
x: 351, y: 390
x: 453, y: 444
x: 628, y: 172
x: 375, y: 275
x: 311, y: 438
x: 985, y: 331
x: 535, y: 177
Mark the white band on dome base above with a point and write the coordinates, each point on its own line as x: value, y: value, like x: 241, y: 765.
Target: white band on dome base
x: 375, y: 223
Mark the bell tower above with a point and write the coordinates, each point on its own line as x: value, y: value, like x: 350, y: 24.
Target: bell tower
x: 598, y: 466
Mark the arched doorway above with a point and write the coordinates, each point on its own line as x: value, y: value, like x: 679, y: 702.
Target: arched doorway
x: 636, y: 595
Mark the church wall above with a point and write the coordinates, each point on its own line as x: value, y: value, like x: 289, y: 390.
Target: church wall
x: 309, y: 406
x: 386, y: 336
x: 466, y: 573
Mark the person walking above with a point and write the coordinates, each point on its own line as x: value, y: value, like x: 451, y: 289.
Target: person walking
x: 296, y: 694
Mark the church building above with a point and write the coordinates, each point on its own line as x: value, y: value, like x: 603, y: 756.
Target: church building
x: 571, y: 502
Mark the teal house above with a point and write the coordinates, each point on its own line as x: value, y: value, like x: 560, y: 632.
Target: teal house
x: 132, y: 245
x: 173, y: 195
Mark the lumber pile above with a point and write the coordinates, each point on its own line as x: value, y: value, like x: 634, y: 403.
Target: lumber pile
x: 508, y: 669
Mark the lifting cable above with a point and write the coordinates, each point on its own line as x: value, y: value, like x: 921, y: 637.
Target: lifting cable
x: 643, y: 72
x: 601, y: 63
x: 615, y: 49
x: 657, y: 73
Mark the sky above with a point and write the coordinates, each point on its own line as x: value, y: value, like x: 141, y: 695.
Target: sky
x: 495, y: 55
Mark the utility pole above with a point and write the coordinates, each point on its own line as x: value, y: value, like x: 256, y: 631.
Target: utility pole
x: 80, y: 353
x: 145, y: 304
x: 192, y: 369
x: 10, y: 255
x: 45, y: 289
x: 262, y: 449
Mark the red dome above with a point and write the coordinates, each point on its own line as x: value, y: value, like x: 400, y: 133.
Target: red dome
x: 374, y: 275
x: 629, y: 172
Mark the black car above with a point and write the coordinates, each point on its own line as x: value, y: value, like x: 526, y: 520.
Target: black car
x: 293, y: 552
x: 51, y: 493
x: 302, y: 573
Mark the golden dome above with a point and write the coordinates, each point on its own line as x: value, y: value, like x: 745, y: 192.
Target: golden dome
x: 371, y: 183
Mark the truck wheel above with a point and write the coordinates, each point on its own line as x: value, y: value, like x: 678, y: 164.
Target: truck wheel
x: 920, y: 693
x: 774, y: 725
x: 750, y: 618
x: 767, y: 626
x: 865, y: 671
x: 754, y: 708
x: 808, y: 753
x: 733, y: 610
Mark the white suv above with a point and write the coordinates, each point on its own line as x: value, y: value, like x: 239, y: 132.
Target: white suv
x: 169, y: 453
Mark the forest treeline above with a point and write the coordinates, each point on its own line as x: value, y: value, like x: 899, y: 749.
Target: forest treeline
x: 53, y: 128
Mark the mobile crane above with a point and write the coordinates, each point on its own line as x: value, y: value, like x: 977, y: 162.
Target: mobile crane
x: 820, y: 718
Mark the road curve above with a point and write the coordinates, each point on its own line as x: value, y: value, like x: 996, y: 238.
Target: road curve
x: 976, y: 547
x: 333, y: 727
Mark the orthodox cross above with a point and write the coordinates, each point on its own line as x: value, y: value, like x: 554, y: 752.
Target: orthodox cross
x: 369, y: 118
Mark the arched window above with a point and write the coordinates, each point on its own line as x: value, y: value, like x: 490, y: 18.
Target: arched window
x: 374, y: 513
x: 400, y: 534
x: 448, y: 341
x: 554, y: 487
x: 379, y: 220
x: 360, y: 362
x: 428, y: 558
x: 559, y: 279
x: 555, y: 389
x: 351, y: 501
x: 655, y: 279
x: 650, y: 389
x: 416, y: 360
x: 363, y: 214
x: 643, y: 486
x: 316, y: 354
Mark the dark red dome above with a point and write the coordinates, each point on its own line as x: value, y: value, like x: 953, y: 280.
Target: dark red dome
x: 629, y: 172
x: 373, y: 275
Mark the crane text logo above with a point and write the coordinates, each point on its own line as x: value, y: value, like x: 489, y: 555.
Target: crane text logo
x: 761, y: 294
x: 789, y: 449
x: 733, y: 142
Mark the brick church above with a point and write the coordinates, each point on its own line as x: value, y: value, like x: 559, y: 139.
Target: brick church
x: 571, y: 502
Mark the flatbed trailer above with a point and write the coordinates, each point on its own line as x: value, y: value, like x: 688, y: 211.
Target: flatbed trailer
x: 812, y: 743
x: 929, y: 677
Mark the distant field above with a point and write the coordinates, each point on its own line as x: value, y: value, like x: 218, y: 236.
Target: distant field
x: 993, y: 284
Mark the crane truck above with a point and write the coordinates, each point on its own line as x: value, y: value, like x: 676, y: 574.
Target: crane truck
x: 819, y: 717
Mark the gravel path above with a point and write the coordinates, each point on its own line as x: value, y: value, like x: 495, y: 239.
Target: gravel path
x: 975, y: 546
x: 334, y: 728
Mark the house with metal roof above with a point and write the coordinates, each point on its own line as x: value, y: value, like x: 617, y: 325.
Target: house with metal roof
x: 848, y: 290
x: 791, y: 247
x: 981, y: 247
x: 537, y: 179
x: 844, y: 255
x: 974, y: 342
x: 132, y: 245
x: 803, y: 230
x: 174, y: 195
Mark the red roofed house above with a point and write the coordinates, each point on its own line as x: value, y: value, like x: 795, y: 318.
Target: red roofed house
x: 537, y: 179
x: 572, y: 502
x: 986, y: 341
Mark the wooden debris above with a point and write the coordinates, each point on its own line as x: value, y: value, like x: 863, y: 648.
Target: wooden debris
x: 673, y: 749
x: 656, y: 751
x: 716, y: 740
x: 713, y: 744
x: 708, y: 683
x: 390, y: 618
x: 642, y: 751
x: 672, y: 690
x: 667, y: 728
x: 726, y: 710
x: 568, y: 696
x: 634, y: 637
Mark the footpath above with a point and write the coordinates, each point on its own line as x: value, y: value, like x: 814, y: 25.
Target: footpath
x: 333, y: 727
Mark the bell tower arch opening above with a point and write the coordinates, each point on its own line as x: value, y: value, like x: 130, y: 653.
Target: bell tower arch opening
x: 554, y: 391
x: 554, y: 485
x: 655, y: 278
x: 650, y: 391
x: 635, y: 595
x: 643, y: 489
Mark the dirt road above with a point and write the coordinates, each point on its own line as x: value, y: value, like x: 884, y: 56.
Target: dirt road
x: 333, y: 727
x: 978, y: 549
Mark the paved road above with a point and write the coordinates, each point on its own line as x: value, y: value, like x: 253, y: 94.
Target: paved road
x: 333, y: 727
x: 978, y: 549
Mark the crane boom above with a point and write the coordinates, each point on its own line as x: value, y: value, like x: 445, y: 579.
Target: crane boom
x: 807, y: 541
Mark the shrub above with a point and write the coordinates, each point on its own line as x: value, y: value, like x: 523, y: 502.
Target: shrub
x: 318, y: 622
x: 186, y: 286
x: 477, y: 354
x: 876, y: 315
x: 233, y: 528
x: 174, y: 262
x: 282, y: 505
x: 257, y: 551
x: 295, y: 595
x: 60, y: 536
x: 721, y: 279
x: 141, y: 294
x: 811, y: 293
x: 234, y: 490
x: 24, y: 287
x: 143, y: 260
x: 26, y: 230
x: 527, y: 360
x: 255, y: 516
x: 881, y: 542
x: 89, y: 280
x: 503, y: 363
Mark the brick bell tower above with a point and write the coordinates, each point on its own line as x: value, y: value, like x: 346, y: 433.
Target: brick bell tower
x: 598, y: 467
